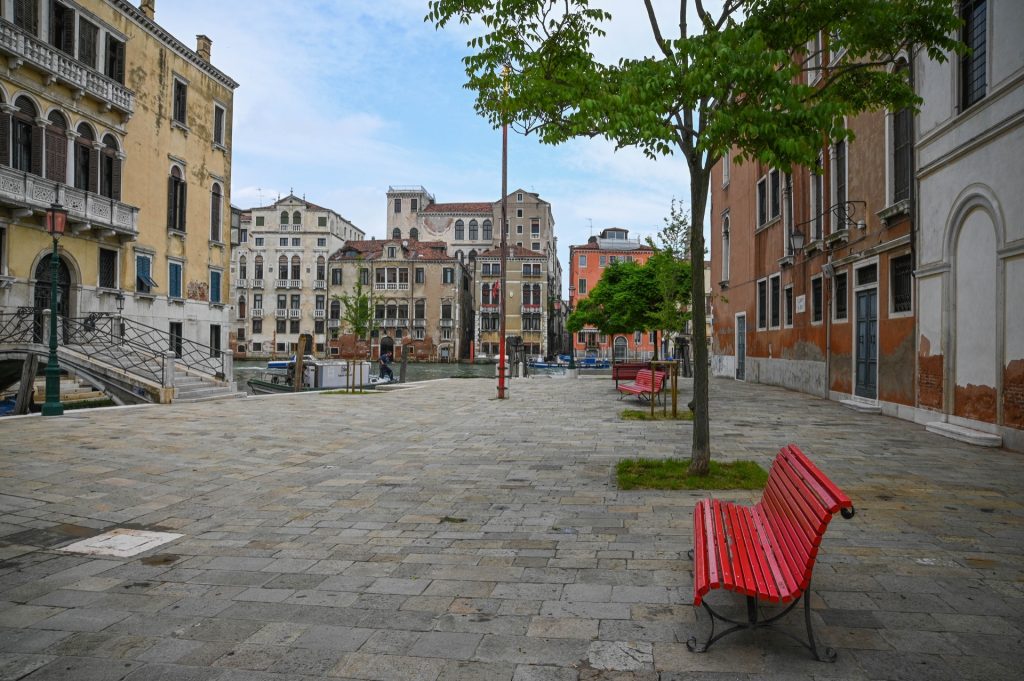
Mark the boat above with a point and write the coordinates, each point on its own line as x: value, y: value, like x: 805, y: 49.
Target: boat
x: 317, y: 375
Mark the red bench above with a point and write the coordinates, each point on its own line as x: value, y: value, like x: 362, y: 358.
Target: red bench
x: 766, y: 552
x: 648, y: 383
x: 626, y: 371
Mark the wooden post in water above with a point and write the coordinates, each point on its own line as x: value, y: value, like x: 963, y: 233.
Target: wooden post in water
x: 28, y: 385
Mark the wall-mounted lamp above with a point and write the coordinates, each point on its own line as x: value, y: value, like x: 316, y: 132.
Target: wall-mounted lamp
x: 796, y: 240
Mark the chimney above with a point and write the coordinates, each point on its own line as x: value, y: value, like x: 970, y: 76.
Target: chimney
x: 203, y: 45
x: 148, y: 8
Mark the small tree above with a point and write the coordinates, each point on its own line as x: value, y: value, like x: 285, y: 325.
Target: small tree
x: 357, y: 311
x: 745, y: 77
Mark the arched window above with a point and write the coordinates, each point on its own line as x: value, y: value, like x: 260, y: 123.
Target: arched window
x: 725, y: 247
x: 485, y: 293
x: 177, y: 197
x: 414, y: 234
x: 27, y: 138
x: 460, y: 230
x: 241, y: 307
x: 536, y: 294
x: 84, y: 177
x: 473, y: 231
x: 396, y: 233
x: 282, y: 267
x: 321, y: 268
x: 296, y: 218
x: 472, y: 255
x: 335, y: 309
x: 259, y: 267
x: 56, y: 147
x: 243, y: 269
x: 460, y: 255
x: 526, y: 294
x: 487, y: 230
x: 284, y: 217
x: 216, y: 215
x: 296, y: 267
x: 110, y: 169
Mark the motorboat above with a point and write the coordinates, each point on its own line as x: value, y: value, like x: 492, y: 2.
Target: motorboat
x: 317, y: 374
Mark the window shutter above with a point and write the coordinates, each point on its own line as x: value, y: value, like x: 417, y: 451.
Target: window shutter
x: 68, y: 42
x: 170, y: 204
x: 56, y: 156
x: 116, y: 188
x: 182, y: 206
x: 94, y: 171
x: 38, y: 136
x: 5, y: 138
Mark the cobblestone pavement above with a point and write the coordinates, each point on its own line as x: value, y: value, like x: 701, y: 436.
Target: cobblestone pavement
x: 438, y: 534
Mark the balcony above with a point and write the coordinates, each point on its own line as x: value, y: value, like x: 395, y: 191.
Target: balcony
x: 241, y: 283
x: 280, y: 283
x: 489, y: 307
x: 391, y: 286
x: 294, y: 283
x: 394, y: 323
x: 446, y: 323
x: 86, y: 211
x: 531, y: 309
x: 296, y: 228
x: 24, y: 48
x: 294, y: 313
x: 257, y: 283
x: 320, y: 284
x: 333, y: 323
x: 319, y: 314
x: 419, y: 323
x: 257, y: 313
x: 281, y: 313
x: 284, y: 228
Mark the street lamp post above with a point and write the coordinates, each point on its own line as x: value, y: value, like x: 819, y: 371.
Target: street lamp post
x: 56, y: 220
x: 572, y: 341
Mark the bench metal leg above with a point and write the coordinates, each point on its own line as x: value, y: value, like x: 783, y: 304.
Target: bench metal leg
x: 753, y: 622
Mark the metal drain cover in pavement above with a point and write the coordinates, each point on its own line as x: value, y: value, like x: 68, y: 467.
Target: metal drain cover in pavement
x: 121, y: 543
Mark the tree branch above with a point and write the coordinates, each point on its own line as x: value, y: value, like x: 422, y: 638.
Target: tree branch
x: 657, y: 29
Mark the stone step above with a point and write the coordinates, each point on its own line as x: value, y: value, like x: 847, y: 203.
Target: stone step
x: 224, y: 394
x: 968, y: 435
x: 862, y: 406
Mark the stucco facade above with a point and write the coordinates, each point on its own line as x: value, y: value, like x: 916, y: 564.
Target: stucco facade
x: 970, y: 266
x: 528, y: 302
x: 98, y: 120
x: 279, y: 276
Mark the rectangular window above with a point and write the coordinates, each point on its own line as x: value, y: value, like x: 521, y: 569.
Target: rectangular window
x: 219, y: 115
x: 535, y: 228
x: 259, y: 241
x: 364, y: 276
x: 296, y: 241
x: 420, y: 275
x: 398, y: 205
x: 519, y: 229
x: 26, y: 15
x: 241, y: 334
x: 321, y: 242
x: 972, y: 64
x: 175, y: 333
x: 114, y: 64
x: 259, y: 220
x: 816, y: 299
x: 774, y: 293
x: 774, y: 192
x: 174, y: 279
x: 257, y: 327
x: 726, y: 168
x: 282, y: 326
x: 867, y: 275
x: 143, y: 274
x: 519, y: 212
x: 581, y: 287
x: 902, y: 154
x: 293, y: 326
x: 840, y: 183
x: 762, y: 304
x: 817, y: 197
x: 336, y: 276
x: 535, y: 246
x: 214, y: 340
x: 762, y: 201
x: 180, y: 110
x: 215, y: 277
x: 88, y: 34
x: 602, y: 260
x: 108, y: 268
x: 583, y: 261
x: 447, y: 275
x: 841, y: 295
x: 900, y: 283
x: 788, y: 305
x: 414, y: 204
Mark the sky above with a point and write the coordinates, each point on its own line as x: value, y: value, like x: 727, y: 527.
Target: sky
x: 338, y: 99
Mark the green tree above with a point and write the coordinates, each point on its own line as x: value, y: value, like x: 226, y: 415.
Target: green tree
x: 620, y: 302
x: 357, y: 312
x: 675, y: 235
x: 713, y: 82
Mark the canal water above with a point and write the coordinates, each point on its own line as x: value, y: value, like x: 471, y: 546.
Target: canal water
x: 415, y: 371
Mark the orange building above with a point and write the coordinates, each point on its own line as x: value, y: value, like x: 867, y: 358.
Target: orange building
x: 586, y: 265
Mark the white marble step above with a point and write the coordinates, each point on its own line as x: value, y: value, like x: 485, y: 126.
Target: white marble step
x: 968, y: 435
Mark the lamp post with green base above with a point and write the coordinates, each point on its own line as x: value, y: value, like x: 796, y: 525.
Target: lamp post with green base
x: 56, y: 220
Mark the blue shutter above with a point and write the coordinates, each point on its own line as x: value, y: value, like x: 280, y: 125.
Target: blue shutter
x: 175, y: 283
x: 214, y: 287
x: 142, y: 273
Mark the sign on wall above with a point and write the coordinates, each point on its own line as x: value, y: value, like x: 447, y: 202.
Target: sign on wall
x: 801, y: 302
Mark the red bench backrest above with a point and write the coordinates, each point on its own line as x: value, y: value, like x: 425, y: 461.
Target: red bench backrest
x: 797, y: 505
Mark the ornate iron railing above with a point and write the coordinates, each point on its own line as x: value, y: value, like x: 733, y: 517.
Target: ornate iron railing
x: 192, y: 354
x: 106, y: 339
x: 18, y: 327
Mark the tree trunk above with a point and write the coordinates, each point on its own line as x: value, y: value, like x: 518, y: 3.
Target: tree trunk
x: 701, y: 454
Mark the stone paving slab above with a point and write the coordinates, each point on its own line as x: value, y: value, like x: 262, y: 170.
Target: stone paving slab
x: 436, y: 533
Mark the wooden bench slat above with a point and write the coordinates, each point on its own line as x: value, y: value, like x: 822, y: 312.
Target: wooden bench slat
x: 796, y: 505
x: 700, y: 555
x: 791, y: 555
x: 738, y: 553
x: 726, y: 574
x: 787, y: 583
x: 826, y: 486
x: 760, y: 550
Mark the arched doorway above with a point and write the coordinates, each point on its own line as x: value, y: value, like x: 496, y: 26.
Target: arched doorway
x: 387, y: 344
x: 41, y: 295
x: 619, y: 349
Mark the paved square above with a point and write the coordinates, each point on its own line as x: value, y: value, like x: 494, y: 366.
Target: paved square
x: 437, y: 533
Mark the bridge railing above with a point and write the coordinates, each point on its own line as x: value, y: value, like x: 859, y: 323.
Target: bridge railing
x: 102, y: 338
x: 17, y: 327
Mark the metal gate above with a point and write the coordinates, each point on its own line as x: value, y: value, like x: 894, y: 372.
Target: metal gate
x: 741, y: 347
x: 867, y: 344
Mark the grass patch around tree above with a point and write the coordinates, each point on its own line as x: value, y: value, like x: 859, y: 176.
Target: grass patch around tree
x: 671, y: 474
x: 642, y: 415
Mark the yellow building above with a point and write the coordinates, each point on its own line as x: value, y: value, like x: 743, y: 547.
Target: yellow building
x: 105, y: 113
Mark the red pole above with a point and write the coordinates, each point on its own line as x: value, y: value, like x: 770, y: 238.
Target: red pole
x: 504, y: 260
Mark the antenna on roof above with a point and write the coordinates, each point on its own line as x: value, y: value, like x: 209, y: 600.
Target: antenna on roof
x: 259, y: 192
x: 591, y: 226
